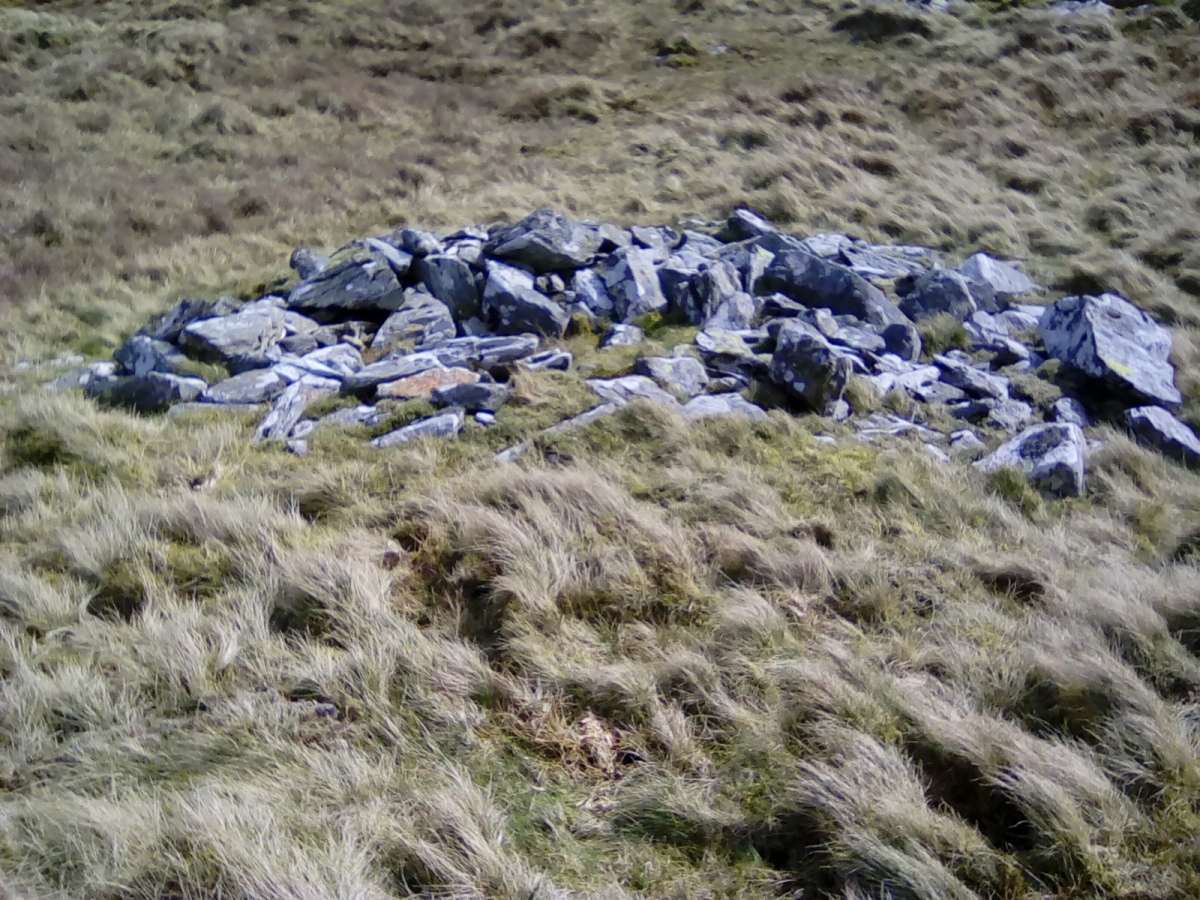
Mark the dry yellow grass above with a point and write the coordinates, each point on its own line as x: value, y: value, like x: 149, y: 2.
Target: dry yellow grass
x: 657, y: 658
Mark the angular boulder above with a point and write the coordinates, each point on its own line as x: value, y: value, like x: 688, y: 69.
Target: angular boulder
x: 818, y: 282
x: 706, y: 406
x: 243, y: 341
x: 961, y: 374
x: 451, y: 281
x: 424, y: 385
x: 422, y: 320
x: 682, y: 375
x: 592, y: 292
x: 169, y: 326
x: 903, y: 340
x: 447, y: 424
x: 1157, y: 428
x: 142, y: 354
x: 363, y: 283
x: 744, y: 225
x: 1054, y: 457
x: 149, y: 393
x: 807, y: 366
x: 306, y: 262
x: 545, y: 242
x: 623, y: 336
x: 288, y: 410
x: 935, y: 292
x: 1109, y: 339
x: 515, y: 307
x: 255, y: 386
x: 995, y: 282
x: 633, y: 284
x: 417, y: 242
x: 478, y: 397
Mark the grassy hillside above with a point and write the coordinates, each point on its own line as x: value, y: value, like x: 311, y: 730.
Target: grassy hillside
x: 657, y: 658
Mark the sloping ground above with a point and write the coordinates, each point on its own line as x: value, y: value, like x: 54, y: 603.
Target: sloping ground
x: 657, y: 658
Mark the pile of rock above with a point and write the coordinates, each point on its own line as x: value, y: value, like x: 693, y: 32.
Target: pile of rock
x: 449, y: 318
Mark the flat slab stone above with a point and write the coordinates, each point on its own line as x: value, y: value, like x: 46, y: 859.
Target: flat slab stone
x: 817, y: 282
x: 681, y: 375
x: 1157, y: 428
x: 255, y: 386
x: 425, y: 384
x: 365, y: 282
x: 629, y: 388
x: 708, y: 405
x: 447, y: 424
x: 1054, y: 457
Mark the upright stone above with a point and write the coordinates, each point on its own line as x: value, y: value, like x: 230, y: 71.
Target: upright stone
x: 633, y: 284
x: 451, y: 281
x: 514, y: 307
x: 806, y: 365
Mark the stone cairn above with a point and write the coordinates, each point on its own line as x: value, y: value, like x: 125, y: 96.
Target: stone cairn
x: 449, y: 318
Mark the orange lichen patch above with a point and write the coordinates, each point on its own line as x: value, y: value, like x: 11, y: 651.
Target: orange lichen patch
x: 422, y: 386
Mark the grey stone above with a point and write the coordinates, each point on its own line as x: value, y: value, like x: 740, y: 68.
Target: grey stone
x: 299, y: 344
x: 728, y: 384
x: 102, y: 370
x: 364, y: 282
x: 1009, y: 415
x: 935, y: 292
x: 287, y: 410
x: 470, y: 252
x: 341, y: 358
x: 307, y: 263
x: 629, y: 388
x: 707, y: 405
x: 297, y: 447
x: 514, y: 307
x: 1054, y: 457
x: 817, y: 282
x: 880, y: 262
x: 861, y: 340
x: 480, y: 397
x: 744, y: 225
x: 994, y: 282
x: 303, y: 428
x: 654, y: 237
x: 242, y: 341
x: 623, y: 336
x: 903, y: 340
x: 422, y: 320
x: 633, y: 284
x: 1068, y: 409
x: 394, y: 368
x: 451, y: 281
x: 485, y: 419
x: 1111, y: 340
x: 887, y: 425
x: 682, y: 375
x: 169, y: 326
x: 806, y: 365
x: 704, y: 244
x: 750, y: 260
x: 938, y: 392
x: 1157, y: 428
x: 592, y: 292
x: 966, y: 441
x: 826, y: 245
x: 255, y: 386
x: 417, y: 241
x: 559, y: 360
x: 715, y: 284
x: 735, y: 313
x: 142, y: 354
x: 299, y: 368
x: 351, y: 417
x: 148, y: 393
x: 546, y: 241
x: 447, y: 424
x: 550, y: 285
x: 610, y: 237
x: 975, y: 382
x: 676, y: 279
x: 487, y: 352
x: 400, y: 260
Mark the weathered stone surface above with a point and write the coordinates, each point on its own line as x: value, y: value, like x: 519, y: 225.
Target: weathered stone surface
x: 255, y: 386
x: 592, y: 292
x: 744, y: 225
x: 546, y: 241
x: 478, y: 397
x: 707, y: 405
x: 750, y: 260
x: 548, y: 359
x: 994, y: 282
x: 400, y: 260
x: 351, y: 417
x: 488, y: 352
x: 364, y: 282
x: 976, y: 382
x: 447, y: 424
x: 817, y: 282
x: 623, y: 336
x: 423, y: 385
x: 287, y: 410
x: 935, y: 292
x: 306, y: 263
x: 1157, y: 428
x: 682, y: 375
x: 245, y: 340
x: 966, y: 441
x: 887, y: 425
x: 451, y: 281
x: 422, y: 320
x: 142, y: 354
x: 826, y: 245
x: 704, y: 244
x: 149, y: 393
x: 728, y: 384
x: 169, y: 326
x: 655, y: 237
x: 1054, y: 457
x: 633, y: 284
x: 1111, y: 340
x: 806, y: 365
x: 514, y: 307
x: 714, y: 284
x: 902, y: 340
x: 1009, y: 415
x: 1068, y: 409
x: 628, y: 388
x: 735, y: 313
x: 882, y: 262
x: 418, y: 242
x: 485, y: 418
x: 341, y: 358
x: 299, y: 344
x: 861, y: 340
x: 936, y: 452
